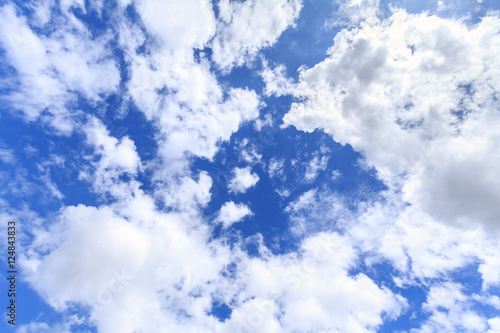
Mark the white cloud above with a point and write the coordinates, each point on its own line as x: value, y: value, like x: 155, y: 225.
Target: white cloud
x: 246, y: 27
x: 316, y: 211
x: 277, y: 83
x: 141, y: 261
x: 110, y: 159
x: 231, y: 213
x: 283, y: 192
x: 242, y: 180
x: 356, y: 12
x: 494, y: 325
x: 249, y: 152
x: 178, y: 92
x: 390, y: 230
x: 312, y: 290
x: 314, y: 167
x: 395, y: 91
x: 50, y: 68
x: 490, y: 266
x: 41, y: 327
x: 99, y: 243
x: 261, y: 123
x: 128, y: 260
x: 7, y: 156
x: 336, y: 174
x: 394, y: 231
x: 186, y: 194
x: 167, y: 21
x: 276, y: 168
x: 415, y: 94
x: 41, y: 11
x: 450, y: 311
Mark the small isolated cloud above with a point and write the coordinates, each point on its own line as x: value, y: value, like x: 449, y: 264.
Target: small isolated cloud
x: 249, y: 152
x: 336, y: 174
x: 277, y: 83
x: 231, y: 213
x: 314, y: 167
x: 6, y: 156
x: 276, y: 168
x: 242, y: 180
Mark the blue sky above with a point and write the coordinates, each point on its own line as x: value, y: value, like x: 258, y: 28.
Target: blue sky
x: 251, y: 166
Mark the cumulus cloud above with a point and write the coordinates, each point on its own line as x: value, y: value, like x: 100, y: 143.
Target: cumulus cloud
x: 178, y: 92
x: 126, y: 256
x: 450, y: 310
x: 414, y: 94
x: 356, y: 12
x: 246, y: 27
x: 50, y: 69
x: 113, y: 158
x: 231, y: 213
x: 494, y: 325
x: 277, y: 83
x: 312, y: 290
x: 416, y: 98
x: 242, y: 180
x: 41, y: 327
x: 388, y: 230
x: 249, y: 152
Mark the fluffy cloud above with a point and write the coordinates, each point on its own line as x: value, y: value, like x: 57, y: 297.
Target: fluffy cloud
x: 145, y: 257
x: 127, y: 260
x: 51, y: 69
x: 312, y: 290
x: 246, y: 27
x: 99, y: 243
x: 389, y: 230
x: 450, y: 310
x: 167, y: 21
x: 494, y: 325
x: 130, y: 260
x: 178, y: 91
x: 314, y: 166
x: 242, y: 180
x: 231, y: 213
x: 414, y: 94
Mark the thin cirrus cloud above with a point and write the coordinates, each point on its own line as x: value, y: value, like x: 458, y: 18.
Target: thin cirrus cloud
x: 132, y: 130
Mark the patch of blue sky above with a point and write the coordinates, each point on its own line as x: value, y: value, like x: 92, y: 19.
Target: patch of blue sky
x: 354, y: 183
x: 30, y: 147
x: 221, y: 311
x: 32, y: 307
x: 306, y: 43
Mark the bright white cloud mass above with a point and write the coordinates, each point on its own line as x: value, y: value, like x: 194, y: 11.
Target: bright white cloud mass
x: 251, y: 166
x: 231, y: 213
